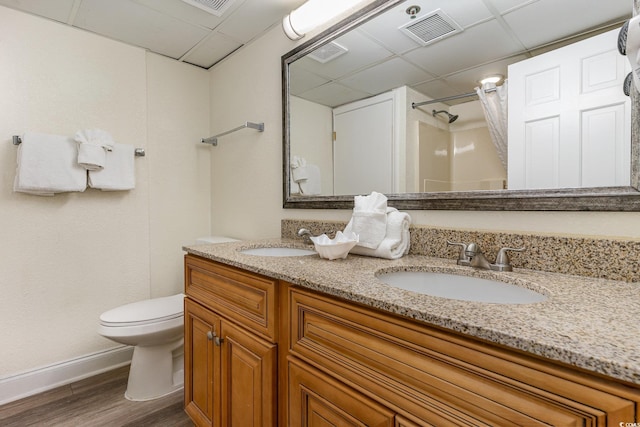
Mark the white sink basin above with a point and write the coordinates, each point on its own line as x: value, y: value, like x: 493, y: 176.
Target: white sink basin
x: 278, y: 252
x: 463, y: 288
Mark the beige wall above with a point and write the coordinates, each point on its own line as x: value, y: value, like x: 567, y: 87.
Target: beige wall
x: 65, y: 259
x: 247, y: 169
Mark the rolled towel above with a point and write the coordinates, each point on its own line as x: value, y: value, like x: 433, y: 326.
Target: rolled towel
x: 93, y: 145
x: 396, y: 242
x: 369, y: 220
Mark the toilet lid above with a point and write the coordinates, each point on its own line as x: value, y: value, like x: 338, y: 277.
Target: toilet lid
x: 147, y: 311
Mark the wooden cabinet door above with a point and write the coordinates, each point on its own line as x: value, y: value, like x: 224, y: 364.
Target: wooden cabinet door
x: 248, y: 379
x: 317, y: 400
x: 202, y: 363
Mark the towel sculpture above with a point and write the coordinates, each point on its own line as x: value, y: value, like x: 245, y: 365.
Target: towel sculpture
x: 47, y: 165
x: 383, y: 231
x: 305, y: 178
x: 93, y: 145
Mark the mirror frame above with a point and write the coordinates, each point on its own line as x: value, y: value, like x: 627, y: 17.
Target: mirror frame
x: 571, y: 199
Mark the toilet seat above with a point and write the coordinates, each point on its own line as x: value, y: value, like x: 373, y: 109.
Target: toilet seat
x: 144, y: 312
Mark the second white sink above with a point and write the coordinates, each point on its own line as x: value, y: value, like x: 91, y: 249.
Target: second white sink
x: 278, y: 252
x: 463, y: 288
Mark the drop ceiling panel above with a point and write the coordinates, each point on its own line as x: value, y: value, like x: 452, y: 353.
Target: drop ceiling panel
x: 503, y: 6
x: 254, y: 17
x: 362, y: 52
x: 187, y: 13
x: 58, y: 10
x: 212, y: 50
x: 139, y: 25
x: 388, y: 75
x: 334, y: 94
x: 534, y: 25
x: 385, y: 28
x: 302, y: 80
x: 467, y: 80
x: 478, y: 44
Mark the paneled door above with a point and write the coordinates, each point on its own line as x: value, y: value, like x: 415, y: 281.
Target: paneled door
x: 569, y: 121
x: 363, y: 146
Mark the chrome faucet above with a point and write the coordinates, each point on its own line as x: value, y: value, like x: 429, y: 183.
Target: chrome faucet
x: 478, y: 260
x: 473, y: 256
x: 305, y: 234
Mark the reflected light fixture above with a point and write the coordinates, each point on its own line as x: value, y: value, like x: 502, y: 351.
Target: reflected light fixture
x: 495, y: 79
x: 312, y: 14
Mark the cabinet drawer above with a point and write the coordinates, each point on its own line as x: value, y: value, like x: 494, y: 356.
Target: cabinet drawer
x: 318, y: 400
x: 443, y: 378
x: 246, y: 298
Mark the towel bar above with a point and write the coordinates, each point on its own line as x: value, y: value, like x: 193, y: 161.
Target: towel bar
x: 139, y: 152
x: 213, y: 140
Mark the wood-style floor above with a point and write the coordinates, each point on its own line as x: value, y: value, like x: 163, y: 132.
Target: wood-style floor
x: 93, y: 402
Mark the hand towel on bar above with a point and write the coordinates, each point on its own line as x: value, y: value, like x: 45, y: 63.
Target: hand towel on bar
x: 47, y: 165
x: 119, y: 171
x: 370, y: 219
x: 93, y: 145
x: 311, y: 185
x: 396, y: 241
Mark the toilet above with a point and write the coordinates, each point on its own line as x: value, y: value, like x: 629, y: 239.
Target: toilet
x: 155, y: 328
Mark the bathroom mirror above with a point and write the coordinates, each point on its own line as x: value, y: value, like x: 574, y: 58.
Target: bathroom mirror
x: 445, y: 78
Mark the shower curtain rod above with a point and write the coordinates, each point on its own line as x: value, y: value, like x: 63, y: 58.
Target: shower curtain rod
x: 450, y: 98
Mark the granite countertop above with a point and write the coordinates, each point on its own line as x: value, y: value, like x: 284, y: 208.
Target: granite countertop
x: 589, y: 323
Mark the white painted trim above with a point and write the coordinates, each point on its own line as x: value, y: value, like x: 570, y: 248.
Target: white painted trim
x: 46, y: 378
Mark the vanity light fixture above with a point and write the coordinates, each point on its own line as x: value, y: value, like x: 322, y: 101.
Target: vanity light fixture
x: 312, y: 14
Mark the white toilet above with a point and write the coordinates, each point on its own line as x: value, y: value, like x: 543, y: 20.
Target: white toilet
x: 155, y: 328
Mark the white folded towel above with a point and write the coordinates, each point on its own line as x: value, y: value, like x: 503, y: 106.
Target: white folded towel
x: 299, y: 170
x: 119, y: 171
x: 396, y: 241
x: 311, y: 185
x: 93, y: 145
x: 370, y: 219
x: 47, y: 165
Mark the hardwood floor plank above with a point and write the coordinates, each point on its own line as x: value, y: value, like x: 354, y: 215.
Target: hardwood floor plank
x: 97, y: 401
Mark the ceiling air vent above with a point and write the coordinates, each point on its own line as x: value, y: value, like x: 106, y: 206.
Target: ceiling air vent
x: 328, y: 52
x: 215, y: 7
x: 431, y: 28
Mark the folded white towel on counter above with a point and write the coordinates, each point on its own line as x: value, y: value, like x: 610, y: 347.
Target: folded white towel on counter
x: 93, y: 145
x: 369, y: 219
x: 396, y: 241
x: 47, y: 165
x: 119, y: 171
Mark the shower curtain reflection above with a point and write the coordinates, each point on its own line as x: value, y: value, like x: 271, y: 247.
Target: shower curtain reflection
x: 494, y: 105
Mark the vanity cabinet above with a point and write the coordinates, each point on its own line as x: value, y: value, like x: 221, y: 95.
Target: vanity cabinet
x: 428, y: 376
x: 264, y: 352
x: 230, y: 346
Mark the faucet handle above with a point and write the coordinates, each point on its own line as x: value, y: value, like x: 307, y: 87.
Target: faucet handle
x: 463, y: 259
x: 503, y: 263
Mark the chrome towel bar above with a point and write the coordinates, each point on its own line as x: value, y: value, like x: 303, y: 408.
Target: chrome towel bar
x: 213, y: 140
x: 138, y: 152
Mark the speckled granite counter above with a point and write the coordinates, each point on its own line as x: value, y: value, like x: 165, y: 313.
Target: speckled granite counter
x: 589, y: 323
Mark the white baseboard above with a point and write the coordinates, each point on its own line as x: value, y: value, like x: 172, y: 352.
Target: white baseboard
x: 42, y: 379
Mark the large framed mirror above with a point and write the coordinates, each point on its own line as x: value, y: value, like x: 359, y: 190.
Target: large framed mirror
x: 387, y: 101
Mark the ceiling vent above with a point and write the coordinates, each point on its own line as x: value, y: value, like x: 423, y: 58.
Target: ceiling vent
x: 328, y: 52
x: 214, y: 7
x: 430, y: 28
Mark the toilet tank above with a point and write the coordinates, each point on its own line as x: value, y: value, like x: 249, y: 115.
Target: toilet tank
x: 214, y: 239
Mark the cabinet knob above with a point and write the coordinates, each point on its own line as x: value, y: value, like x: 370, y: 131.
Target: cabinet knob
x: 210, y: 335
x: 218, y: 341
